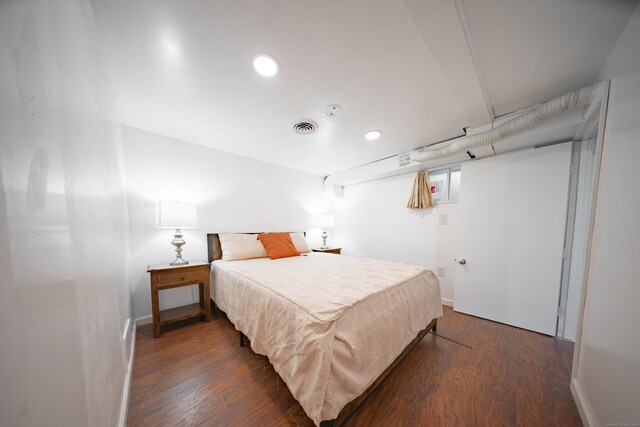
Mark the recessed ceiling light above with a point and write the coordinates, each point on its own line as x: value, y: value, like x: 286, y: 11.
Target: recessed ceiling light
x: 373, y: 134
x: 171, y: 48
x: 266, y: 65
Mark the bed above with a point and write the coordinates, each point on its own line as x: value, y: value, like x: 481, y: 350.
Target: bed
x: 332, y: 326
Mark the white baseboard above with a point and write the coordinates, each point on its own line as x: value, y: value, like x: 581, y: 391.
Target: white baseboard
x: 581, y: 402
x: 124, y: 405
x: 448, y: 302
x: 144, y: 320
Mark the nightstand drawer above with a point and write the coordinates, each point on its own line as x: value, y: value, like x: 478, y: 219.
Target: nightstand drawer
x: 179, y: 276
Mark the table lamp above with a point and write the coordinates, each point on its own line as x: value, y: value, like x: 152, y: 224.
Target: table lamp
x: 326, y: 220
x: 177, y: 216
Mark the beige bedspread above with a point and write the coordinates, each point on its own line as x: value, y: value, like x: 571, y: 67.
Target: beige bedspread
x: 329, y: 324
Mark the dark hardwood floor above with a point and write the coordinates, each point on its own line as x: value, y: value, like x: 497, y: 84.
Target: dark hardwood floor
x: 474, y: 372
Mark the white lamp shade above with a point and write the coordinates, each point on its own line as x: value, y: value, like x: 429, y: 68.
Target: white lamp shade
x: 326, y: 220
x: 176, y: 215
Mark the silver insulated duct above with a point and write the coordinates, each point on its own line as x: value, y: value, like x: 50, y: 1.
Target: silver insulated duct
x: 568, y: 101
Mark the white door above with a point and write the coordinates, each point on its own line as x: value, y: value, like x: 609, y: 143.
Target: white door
x: 511, y: 235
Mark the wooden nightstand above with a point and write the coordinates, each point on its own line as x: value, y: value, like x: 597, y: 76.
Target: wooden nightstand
x: 165, y: 276
x: 328, y: 250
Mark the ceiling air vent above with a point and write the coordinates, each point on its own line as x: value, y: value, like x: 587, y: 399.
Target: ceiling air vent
x: 404, y: 159
x: 305, y: 127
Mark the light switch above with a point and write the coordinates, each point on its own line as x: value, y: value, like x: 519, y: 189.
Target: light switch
x: 442, y: 219
x: 440, y: 271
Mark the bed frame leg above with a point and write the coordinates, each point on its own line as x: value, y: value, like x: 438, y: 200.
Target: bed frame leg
x: 241, y: 339
x: 435, y: 326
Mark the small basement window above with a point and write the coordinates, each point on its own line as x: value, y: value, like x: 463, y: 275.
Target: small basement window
x: 445, y: 184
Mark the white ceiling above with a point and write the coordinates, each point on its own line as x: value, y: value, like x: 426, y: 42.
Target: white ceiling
x: 183, y: 69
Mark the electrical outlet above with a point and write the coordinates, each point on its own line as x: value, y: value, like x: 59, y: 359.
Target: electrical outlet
x: 442, y: 219
x: 440, y: 271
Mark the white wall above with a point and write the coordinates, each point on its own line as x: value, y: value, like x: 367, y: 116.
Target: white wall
x: 607, y: 363
x: 64, y: 294
x: 232, y: 194
x: 372, y: 221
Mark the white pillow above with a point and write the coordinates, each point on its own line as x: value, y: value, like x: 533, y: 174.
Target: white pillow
x: 241, y: 246
x: 300, y: 242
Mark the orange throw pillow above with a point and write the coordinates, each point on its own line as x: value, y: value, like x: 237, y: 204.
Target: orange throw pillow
x: 278, y: 245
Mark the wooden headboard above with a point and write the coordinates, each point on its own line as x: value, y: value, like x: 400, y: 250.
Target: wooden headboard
x: 214, y: 251
x: 213, y: 246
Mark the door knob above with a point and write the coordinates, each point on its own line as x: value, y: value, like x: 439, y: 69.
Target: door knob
x: 461, y: 261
